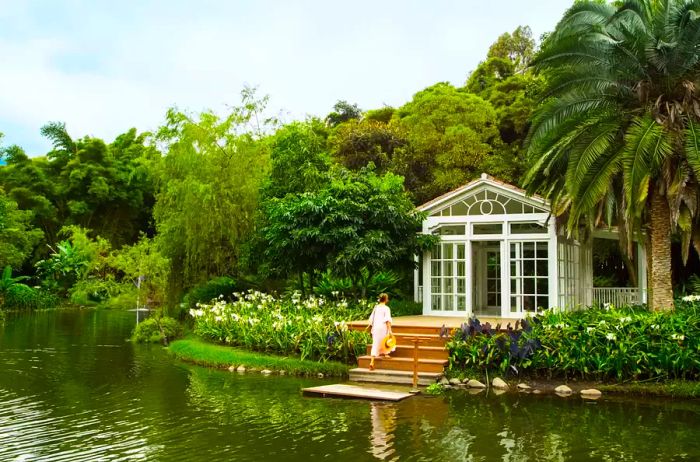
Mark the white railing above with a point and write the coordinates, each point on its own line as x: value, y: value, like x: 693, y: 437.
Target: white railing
x: 419, y: 294
x: 617, y: 296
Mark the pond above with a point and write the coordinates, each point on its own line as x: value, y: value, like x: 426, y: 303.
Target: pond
x: 73, y: 389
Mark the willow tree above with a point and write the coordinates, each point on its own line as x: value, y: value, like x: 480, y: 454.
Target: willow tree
x: 620, y: 128
x: 209, y: 182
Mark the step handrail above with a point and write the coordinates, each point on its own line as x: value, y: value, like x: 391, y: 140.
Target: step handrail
x: 416, y: 339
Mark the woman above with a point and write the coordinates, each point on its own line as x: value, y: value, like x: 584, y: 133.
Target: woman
x: 380, y: 323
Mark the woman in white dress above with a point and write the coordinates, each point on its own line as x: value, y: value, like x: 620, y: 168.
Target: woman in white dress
x: 380, y: 322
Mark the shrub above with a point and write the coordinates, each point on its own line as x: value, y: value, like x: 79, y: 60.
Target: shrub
x: 313, y: 328
x: 210, y: 290
x: 598, y: 343
x: 157, y: 330
x: 23, y: 297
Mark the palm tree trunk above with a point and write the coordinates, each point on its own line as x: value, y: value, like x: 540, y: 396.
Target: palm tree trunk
x: 659, y: 255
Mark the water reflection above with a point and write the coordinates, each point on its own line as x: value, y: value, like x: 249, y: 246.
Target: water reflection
x: 383, y: 418
x: 72, y: 388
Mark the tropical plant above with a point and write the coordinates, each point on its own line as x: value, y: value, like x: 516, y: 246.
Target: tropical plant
x: 157, y: 329
x: 312, y: 328
x: 619, y: 132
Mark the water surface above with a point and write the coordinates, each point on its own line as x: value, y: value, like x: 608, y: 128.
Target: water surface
x: 72, y: 388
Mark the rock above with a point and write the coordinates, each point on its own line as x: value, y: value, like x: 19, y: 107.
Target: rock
x: 563, y: 390
x: 466, y: 380
x: 475, y: 391
x: 282, y: 372
x: 498, y: 391
x: 524, y: 387
x: 475, y: 384
x: 240, y: 369
x: 266, y: 372
x: 499, y: 384
x: 455, y: 382
x: 320, y: 375
x: 232, y: 368
x: 447, y: 387
x: 444, y: 381
x: 591, y: 393
x: 536, y: 392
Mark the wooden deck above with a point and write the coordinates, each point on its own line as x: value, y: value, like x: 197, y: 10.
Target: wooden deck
x: 341, y: 390
x: 450, y: 322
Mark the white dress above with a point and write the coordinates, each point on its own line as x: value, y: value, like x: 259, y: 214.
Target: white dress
x: 380, y: 315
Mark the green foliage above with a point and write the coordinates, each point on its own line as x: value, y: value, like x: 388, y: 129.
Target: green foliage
x: 342, y: 112
x: 313, y: 328
x: 435, y: 389
x: 22, y: 297
x: 157, y: 329
x: 220, y: 287
x: 359, y: 222
x: 619, y: 122
x: 356, y: 143
x: 144, y: 267
x: 451, y: 133
x: 206, y: 354
x: 628, y: 343
x: 17, y: 234
x: 299, y: 160
x: 74, y: 259
x: 345, y: 287
x: 209, y: 181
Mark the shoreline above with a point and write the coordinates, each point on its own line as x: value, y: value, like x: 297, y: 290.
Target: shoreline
x: 195, y: 350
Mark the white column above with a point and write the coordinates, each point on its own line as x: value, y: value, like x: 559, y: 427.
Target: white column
x: 468, y: 271
x: 642, y: 272
x: 553, y: 273
x: 427, y: 282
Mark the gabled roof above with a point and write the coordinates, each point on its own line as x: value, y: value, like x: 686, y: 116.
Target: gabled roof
x: 487, y: 180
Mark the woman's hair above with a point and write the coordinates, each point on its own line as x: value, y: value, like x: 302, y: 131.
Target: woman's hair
x: 383, y: 298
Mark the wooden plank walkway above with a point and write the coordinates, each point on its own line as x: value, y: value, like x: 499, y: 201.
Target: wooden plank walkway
x: 354, y: 391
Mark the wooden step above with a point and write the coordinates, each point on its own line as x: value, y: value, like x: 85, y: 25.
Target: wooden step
x: 403, y: 329
x: 403, y: 364
x: 425, y: 352
x: 432, y: 340
x: 361, y: 374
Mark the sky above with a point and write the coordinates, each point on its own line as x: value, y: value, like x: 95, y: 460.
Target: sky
x: 103, y: 67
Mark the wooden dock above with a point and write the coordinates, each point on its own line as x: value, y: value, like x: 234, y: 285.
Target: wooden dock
x: 355, y: 391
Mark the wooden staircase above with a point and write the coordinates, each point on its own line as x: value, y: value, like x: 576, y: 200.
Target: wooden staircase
x: 398, y: 368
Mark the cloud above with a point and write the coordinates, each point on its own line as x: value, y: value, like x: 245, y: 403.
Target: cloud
x: 105, y: 67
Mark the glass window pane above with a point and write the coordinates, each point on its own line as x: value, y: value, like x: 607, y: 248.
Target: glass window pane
x: 461, y: 268
x: 542, y: 267
x: 437, y: 252
x: 542, y: 249
x: 488, y: 228
x: 435, y: 268
x: 460, y: 208
x: 528, y: 250
x: 448, y: 286
x: 492, y: 300
x: 447, y: 251
x: 447, y: 268
x: 450, y: 230
x: 529, y: 303
x: 460, y: 251
x: 527, y: 228
x: 528, y: 267
x: 542, y: 286
x: 461, y: 303
x: 447, y: 302
x: 542, y: 303
x: 435, y: 303
x: 435, y: 285
x: 513, y: 304
x: 528, y: 285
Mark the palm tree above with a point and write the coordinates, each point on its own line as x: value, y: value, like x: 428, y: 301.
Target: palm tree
x: 620, y: 126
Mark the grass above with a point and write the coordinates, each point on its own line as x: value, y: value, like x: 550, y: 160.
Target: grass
x: 671, y: 389
x: 200, y: 352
